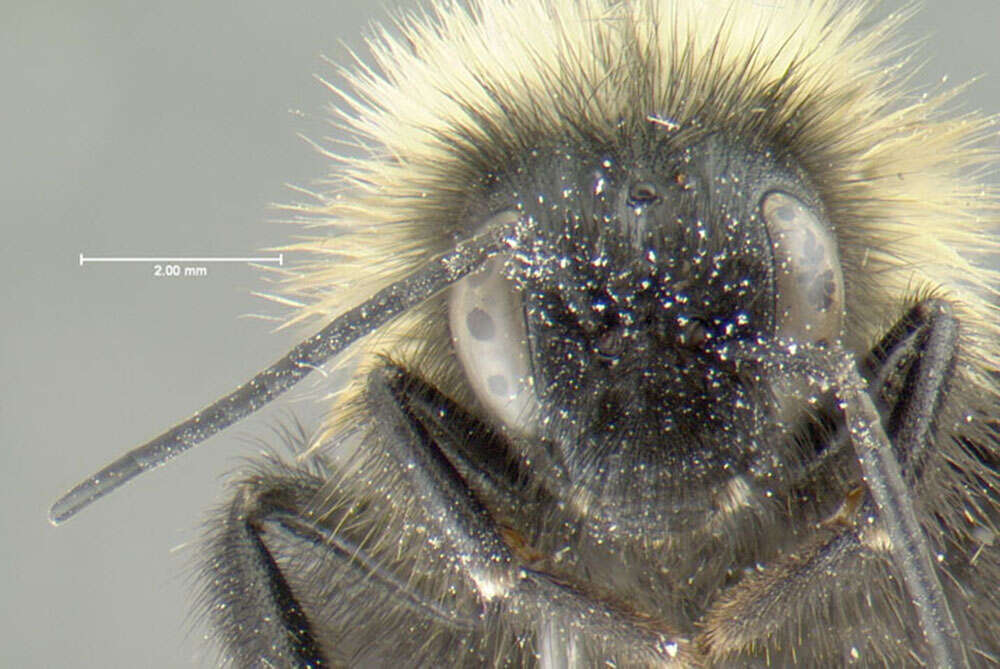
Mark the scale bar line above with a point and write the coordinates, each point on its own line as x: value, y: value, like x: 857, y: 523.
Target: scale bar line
x: 272, y: 259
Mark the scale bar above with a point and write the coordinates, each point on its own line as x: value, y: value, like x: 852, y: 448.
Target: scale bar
x: 279, y: 259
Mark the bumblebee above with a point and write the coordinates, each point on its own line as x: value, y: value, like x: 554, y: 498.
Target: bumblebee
x: 672, y: 348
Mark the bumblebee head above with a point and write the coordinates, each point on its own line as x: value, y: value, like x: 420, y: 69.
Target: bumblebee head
x: 642, y: 259
x: 684, y: 176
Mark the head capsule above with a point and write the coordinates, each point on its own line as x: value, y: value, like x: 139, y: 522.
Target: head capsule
x: 601, y: 335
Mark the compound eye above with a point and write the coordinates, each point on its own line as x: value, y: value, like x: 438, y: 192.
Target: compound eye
x: 488, y: 331
x: 808, y: 276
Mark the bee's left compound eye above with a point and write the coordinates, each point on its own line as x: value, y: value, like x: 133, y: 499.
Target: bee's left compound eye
x: 808, y: 276
x: 487, y: 327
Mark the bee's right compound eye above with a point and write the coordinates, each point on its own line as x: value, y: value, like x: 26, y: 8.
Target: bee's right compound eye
x: 487, y: 328
x: 808, y: 276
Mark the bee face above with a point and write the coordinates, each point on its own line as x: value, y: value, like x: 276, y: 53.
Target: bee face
x: 645, y: 258
x: 561, y: 325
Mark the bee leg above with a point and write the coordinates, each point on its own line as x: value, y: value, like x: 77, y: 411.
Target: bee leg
x: 907, y: 375
x: 908, y: 372
x: 481, y: 457
x: 766, y: 600
x: 253, y: 605
x: 923, y: 363
x: 270, y: 555
x: 432, y: 460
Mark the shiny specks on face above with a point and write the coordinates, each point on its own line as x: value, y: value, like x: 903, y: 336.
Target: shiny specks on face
x: 609, y: 322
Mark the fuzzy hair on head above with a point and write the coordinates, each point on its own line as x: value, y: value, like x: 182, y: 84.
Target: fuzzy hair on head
x: 452, y: 97
x: 453, y: 93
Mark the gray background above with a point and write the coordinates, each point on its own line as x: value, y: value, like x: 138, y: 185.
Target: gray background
x: 146, y: 128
